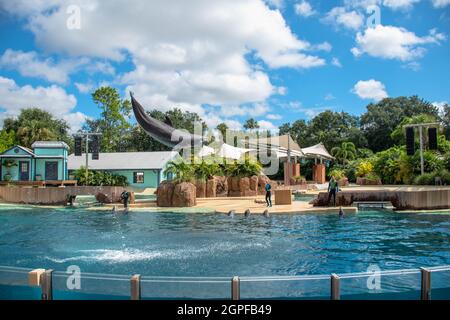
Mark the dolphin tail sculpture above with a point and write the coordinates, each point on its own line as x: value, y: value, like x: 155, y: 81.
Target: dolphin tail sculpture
x: 163, y: 132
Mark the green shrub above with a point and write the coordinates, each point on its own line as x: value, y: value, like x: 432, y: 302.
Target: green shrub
x: 99, y: 178
x: 425, y: 179
x: 364, y: 168
x: 338, y: 174
x: 372, y: 176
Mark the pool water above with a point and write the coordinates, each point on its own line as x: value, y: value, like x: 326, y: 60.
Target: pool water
x: 197, y: 244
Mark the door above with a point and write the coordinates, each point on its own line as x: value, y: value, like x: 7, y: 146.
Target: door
x: 24, y: 170
x: 51, y: 170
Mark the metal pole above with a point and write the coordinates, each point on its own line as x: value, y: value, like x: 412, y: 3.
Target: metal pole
x: 46, y: 285
x: 335, y: 287
x: 421, y: 150
x: 235, y: 288
x: 426, y: 284
x: 87, y: 158
x: 136, y: 287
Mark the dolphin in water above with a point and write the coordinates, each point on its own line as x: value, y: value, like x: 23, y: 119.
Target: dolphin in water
x: 163, y: 131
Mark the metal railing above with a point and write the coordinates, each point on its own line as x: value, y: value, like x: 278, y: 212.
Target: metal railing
x: 135, y: 287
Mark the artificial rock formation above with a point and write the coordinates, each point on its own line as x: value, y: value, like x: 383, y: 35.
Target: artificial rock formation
x: 164, y: 194
x: 103, y: 198
x: 211, y: 186
x: 184, y: 195
x: 221, y: 186
x: 201, y: 188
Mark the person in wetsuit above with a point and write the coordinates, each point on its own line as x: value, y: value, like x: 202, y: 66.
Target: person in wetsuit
x: 125, y: 196
x: 333, y: 188
x: 268, y: 194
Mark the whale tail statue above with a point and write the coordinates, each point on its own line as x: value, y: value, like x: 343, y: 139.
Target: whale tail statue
x: 163, y: 132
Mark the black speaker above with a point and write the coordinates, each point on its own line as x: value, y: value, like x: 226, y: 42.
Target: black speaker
x: 78, y: 142
x: 432, y: 139
x: 95, y: 148
x: 410, y: 141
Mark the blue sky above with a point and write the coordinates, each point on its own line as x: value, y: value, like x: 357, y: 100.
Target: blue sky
x: 276, y: 61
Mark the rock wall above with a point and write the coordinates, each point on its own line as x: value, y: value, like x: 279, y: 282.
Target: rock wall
x: 401, y: 199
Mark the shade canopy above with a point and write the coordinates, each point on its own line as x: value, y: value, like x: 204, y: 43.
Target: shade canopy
x: 282, y: 144
x: 317, y: 151
x: 225, y: 151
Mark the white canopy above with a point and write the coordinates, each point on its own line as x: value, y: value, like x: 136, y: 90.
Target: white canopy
x: 206, y: 151
x: 317, y: 151
x: 231, y: 152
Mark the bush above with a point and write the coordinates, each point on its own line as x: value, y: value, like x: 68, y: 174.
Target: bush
x: 337, y: 173
x: 372, y: 176
x: 100, y: 178
x: 364, y: 168
x: 425, y: 179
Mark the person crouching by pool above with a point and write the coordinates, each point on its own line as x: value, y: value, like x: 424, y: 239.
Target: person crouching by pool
x: 268, y: 194
x: 333, y: 188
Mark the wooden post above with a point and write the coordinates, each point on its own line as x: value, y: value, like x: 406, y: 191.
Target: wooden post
x: 136, y: 287
x: 235, y: 288
x: 46, y: 285
x: 426, y: 284
x: 335, y: 287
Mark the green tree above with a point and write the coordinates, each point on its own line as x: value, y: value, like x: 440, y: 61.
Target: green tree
x: 382, y: 118
x: 34, y: 124
x: 344, y: 153
x: 251, y: 124
x: 398, y: 135
x: 112, y: 124
x: 222, y: 128
x: 180, y: 169
x: 7, y: 139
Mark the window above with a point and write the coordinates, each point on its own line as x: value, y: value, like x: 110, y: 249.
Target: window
x: 24, y: 166
x: 138, y: 177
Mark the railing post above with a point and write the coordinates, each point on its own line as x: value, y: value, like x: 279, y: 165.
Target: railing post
x: 136, y: 287
x: 235, y: 288
x: 426, y: 284
x: 46, y: 285
x: 335, y: 287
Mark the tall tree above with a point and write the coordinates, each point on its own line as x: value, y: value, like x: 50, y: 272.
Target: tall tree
x: 251, y: 124
x: 383, y: 117
x: 222, y: 127
x: 7, y: 139
x: 345, y: 152
x: 35, y: 124
x: 112, y: 124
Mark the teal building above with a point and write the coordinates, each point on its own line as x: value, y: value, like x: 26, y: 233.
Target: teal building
x: 142, y: 169
x: 46, y: 160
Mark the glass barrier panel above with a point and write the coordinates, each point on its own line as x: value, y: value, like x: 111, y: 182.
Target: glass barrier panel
x: 91, y: 286
x: 299, y: 287
x: 185, y: 288
x: 14, y: 284
x: 440, y: 283
x: 388, y: 285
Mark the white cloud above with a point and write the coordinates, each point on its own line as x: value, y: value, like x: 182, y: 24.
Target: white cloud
x: 440, y: 3
x: 304, y: 9
x: 257, y: 109
x: 329, y: 97
x: 342, y: 17
x: 53, y: 99
x: 30, y: 65
x: 394, y: 43
x: 202, y: 62
x: 275, y: 3
x: 370, y: 89
x: 84, y: 87
x: 267, y: 125
x: 399, y: 4
x: 335, y: 62
x: 75, y: 120
x: 324, y: 46
x: 440, y: 105
x: 274, y: 117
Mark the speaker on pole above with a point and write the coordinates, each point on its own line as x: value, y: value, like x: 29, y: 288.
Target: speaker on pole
x: 410, y: 141
x: 432, y: 139
x: 95, y: 148
x: 78, y: 142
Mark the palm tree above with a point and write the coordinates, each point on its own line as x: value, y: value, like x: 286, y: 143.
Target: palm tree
x: 222, y: 127
x: 344, y: 153
x: 182, y: 170
x: 251, y: 124
x: 34, y: 131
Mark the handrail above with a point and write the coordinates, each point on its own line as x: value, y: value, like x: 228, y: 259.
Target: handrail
x: 137, y: 280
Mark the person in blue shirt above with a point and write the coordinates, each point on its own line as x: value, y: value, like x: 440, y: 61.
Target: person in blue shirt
x: 268, y: 194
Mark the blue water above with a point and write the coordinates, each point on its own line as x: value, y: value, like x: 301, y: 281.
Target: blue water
x: 178, y: 244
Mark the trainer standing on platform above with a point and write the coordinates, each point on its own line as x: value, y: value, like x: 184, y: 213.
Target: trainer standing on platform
x: 333, y: 188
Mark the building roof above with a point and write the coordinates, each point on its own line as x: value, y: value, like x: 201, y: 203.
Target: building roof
x: 317, y: 151
x: 124, y: 160
x: 50, y: 144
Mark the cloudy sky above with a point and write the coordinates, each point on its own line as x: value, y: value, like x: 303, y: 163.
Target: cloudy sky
x: 228, y: 60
